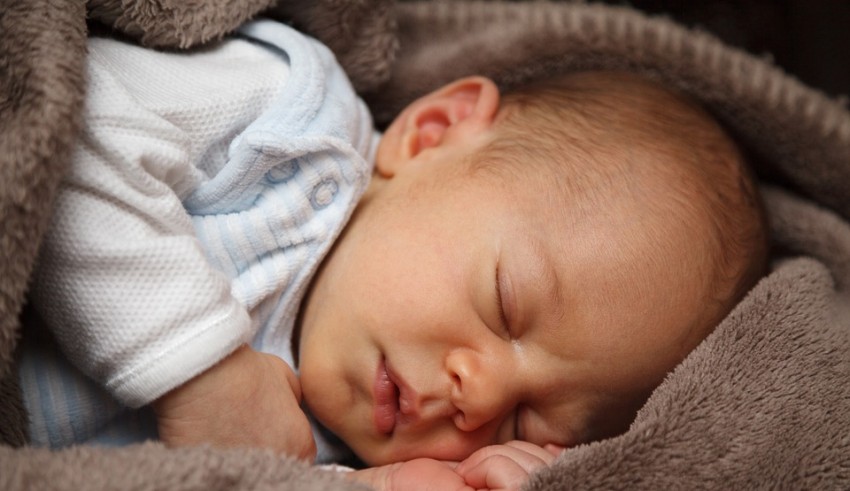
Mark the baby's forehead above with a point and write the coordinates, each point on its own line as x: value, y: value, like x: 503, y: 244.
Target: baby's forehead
x: 611, y: 182
x: 619, y: 211
x: 644, y: 180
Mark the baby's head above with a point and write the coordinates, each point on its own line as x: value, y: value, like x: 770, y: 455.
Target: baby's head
x: 527, y: 267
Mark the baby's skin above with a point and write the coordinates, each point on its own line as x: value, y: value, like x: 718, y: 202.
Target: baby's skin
x: 505, y: 347
x: 496, y: 467
x: 249, y: 399
x: 240, y: 401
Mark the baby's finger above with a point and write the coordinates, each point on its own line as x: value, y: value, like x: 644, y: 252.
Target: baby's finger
x: 523, y: 453
x: 555, y: 450
x: 291, y: 378
x: 496, y: 472
x: 543, y: 453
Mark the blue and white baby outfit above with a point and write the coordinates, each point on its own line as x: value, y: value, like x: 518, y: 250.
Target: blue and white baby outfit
x: 205, y: 190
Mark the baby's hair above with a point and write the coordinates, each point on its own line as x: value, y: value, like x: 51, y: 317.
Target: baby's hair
x: 600, y: 133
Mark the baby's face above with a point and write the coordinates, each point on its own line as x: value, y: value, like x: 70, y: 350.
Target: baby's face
x: 456, y: 312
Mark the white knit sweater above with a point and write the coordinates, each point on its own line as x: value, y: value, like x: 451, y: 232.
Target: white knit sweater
x: 204, y: 192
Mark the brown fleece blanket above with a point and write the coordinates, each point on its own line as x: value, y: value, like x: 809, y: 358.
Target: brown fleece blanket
x: 764, y: 402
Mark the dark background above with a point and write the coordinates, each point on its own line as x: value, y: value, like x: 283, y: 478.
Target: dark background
x: 808, y: 38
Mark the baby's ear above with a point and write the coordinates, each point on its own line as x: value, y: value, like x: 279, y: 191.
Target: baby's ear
x: 447, y: 116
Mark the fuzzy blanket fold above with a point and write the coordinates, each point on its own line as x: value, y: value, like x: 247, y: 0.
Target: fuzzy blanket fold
x: 763, y: 402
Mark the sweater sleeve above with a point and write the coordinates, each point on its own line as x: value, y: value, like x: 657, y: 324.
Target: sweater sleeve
x: 122, y: 280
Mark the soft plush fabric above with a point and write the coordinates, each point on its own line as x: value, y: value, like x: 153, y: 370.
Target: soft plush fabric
x: 763, y: 402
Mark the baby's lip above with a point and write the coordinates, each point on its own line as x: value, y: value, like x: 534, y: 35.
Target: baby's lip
x: 386, y: 394
x: 408, y: 399
x: 395, y: 401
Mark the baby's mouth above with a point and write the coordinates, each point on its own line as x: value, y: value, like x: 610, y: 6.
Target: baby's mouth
x: 386, y: 395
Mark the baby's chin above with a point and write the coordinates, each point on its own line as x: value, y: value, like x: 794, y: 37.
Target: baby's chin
x: 373, y: 453
x: 389, y: 452
x: 384, y: 453
x: 372, y: 457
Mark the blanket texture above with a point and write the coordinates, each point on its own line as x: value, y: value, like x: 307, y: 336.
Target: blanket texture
x: 764, y: 402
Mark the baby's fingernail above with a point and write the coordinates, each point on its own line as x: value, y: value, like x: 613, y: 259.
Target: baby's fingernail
x: 553, y: 449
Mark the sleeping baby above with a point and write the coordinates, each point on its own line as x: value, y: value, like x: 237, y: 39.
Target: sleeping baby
x: 238, y: 255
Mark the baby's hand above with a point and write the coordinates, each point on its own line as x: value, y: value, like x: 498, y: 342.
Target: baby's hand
x: 497, y: 467
x: 249, y: 399
x: 505, y: 466
x: 413, y: 475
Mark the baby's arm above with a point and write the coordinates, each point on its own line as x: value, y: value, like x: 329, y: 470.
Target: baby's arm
x: 247, y: 399
x: 122, y: 280
x: 497, y: 467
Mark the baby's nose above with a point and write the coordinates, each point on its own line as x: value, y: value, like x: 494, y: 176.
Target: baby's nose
x: 482, y: 389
